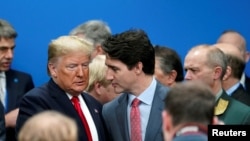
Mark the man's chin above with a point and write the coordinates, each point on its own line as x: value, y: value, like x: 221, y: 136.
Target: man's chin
x: 4, y: 69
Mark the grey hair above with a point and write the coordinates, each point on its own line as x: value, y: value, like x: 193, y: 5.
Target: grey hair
x: 94, y: 30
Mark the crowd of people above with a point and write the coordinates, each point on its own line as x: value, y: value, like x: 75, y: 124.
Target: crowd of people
x: 121, y: 87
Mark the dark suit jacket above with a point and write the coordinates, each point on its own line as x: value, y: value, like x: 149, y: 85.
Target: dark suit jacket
x: 17, y: 83
x: 51, y: 97
x: 241, y: 95
x: 115, y: 116
x: 2, y: 123
x: 235, y: 111
x: 247, y: 84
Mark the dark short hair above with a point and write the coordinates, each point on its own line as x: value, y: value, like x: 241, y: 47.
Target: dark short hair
x: 190, y: 101
x: 131, y: 47
x: 169, y: 60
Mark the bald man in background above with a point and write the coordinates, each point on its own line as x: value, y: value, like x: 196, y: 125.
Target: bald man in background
x: 209, y: 64
x: 235, y: 67
x: 235, y: 38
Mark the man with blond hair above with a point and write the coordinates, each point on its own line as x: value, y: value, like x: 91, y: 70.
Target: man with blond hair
x: 99, y: 87
x: 68, y: 67
x: 49, y: 125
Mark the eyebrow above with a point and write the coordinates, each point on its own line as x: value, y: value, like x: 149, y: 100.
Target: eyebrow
x: 7, y: 46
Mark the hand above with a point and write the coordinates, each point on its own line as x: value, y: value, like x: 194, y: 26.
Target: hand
x: 11, y: 117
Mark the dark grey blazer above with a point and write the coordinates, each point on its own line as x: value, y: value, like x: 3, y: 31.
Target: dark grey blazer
x: 51, y: 97
x: 115, y: 116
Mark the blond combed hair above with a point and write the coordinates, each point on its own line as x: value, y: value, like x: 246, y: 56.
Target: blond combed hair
x: 49, y: 126
x: 97, y: 72
x: 67, y: 44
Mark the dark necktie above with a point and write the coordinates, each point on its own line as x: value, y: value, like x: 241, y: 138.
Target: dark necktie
x: 77, y: 106
x: 135, y: 121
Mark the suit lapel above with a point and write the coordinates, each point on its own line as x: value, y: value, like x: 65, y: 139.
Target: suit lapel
x: 11, y: 83
x: 64, y: 103
x: 247, y: 84
x: 94, y: 111
x: 155, y: 121
x: 121, y: 114
x: 238, y: 92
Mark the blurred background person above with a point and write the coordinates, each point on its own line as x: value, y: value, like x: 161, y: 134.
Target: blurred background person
x: 96, y: 31
x: 13, y: 83
x: 168, y: 66
x: 235, y: 38
x: 208, y: 64
x: 49, y: 126
x: 189, y: 109
x: 68, y: 67
x: 99, y: 87
x: 235, y: 67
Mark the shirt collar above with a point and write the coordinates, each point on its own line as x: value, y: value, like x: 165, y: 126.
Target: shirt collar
x: 147, y: 95
x: 232, y: 89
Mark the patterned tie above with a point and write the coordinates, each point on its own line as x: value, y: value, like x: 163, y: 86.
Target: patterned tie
x: 77, y: 106
x: 135, y: 121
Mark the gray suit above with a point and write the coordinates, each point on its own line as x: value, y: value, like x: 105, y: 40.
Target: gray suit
x: 115, y: 116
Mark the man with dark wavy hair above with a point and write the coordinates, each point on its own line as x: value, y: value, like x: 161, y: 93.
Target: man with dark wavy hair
x: 136, y: 113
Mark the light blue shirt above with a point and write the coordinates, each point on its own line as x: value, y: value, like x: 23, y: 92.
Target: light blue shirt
x: 146, y: 98
x: 232, y: 89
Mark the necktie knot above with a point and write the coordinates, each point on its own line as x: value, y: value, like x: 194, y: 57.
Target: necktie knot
x: 75, y: 99
x: 135, y: 102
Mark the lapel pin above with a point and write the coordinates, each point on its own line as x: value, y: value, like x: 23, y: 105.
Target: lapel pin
x: 96, y: 111
x: 15, y: 80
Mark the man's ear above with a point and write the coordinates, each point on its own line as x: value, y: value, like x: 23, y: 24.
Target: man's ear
x: 52, y: 70
x: 167, y: 126
x: 247, y: 56
x: 99, y: 49
x: 166, y: 121
x: 216, y: 121
x: 97, y: 86
x: 228, y: 73
x: 217, y: 72
x: 172, y: 76
x: 138, y: 68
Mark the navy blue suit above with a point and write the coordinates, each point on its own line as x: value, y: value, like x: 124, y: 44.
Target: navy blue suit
x: 51, y: 97
x: 247, y: 84
x: 241, y: 95
x: 2, y: 123
x: 17, y: 83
